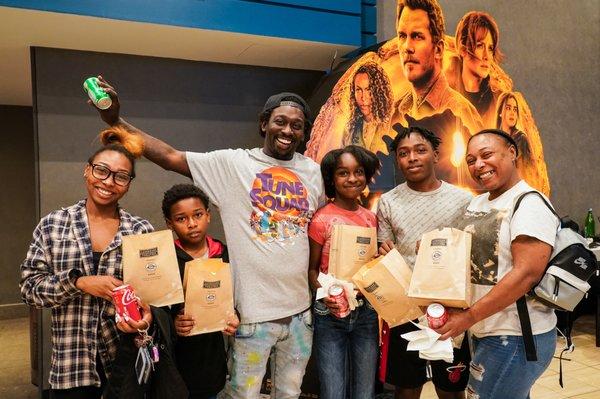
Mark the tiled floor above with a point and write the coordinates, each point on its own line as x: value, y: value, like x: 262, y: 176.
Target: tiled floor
x: 15, y: 375
x: 581, y: 374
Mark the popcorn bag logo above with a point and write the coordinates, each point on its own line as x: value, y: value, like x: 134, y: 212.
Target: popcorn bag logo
x: 363, y: 240
x: 211, y: 284
x: 210, y: 297
x: 281, y: 208
x: 151, y: 267
x: 148, y: 253
x: 439, y: 242
x: 371, y: 287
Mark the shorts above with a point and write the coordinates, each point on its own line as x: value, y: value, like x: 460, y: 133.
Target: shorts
x: 405, y: 369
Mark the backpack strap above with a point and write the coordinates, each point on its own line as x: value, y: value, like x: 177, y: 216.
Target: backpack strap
x: 530, y: 350
x: 518, y: 202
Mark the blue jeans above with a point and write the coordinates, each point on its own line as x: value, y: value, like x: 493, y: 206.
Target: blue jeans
x: 499, y: 368
x: 353, y: 338
x: 288, y: 346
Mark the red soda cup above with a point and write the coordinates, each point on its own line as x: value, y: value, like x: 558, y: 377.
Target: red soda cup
x: 437, y: 315
x: 126, y: 305
x: 337, y: 293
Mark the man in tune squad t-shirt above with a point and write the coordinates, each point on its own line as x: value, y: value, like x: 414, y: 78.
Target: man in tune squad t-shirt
x: 266, y: 197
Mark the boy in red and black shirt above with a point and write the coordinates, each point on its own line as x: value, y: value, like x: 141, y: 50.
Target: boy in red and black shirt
x: 201, y: 359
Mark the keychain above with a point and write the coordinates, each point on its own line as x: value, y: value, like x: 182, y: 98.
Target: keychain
x: 144, y: 363
x: 154, y: 354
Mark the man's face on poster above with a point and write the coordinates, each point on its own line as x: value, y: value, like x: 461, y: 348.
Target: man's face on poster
x: 510, y: 113
x: 362, y: 94
x: 416, y: 47
x: 480, y: 60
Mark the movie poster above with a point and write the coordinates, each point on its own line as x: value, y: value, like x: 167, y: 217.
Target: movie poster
x: 451, y: 83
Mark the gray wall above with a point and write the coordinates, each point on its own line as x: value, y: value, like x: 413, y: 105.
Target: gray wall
x: 17, y: 199
x: 552, y: 54
x: 192, y: 105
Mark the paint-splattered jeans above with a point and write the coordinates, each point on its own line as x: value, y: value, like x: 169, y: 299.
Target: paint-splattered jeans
x: 499, y: 368
x: 356, y: 335
x: 290, y: 345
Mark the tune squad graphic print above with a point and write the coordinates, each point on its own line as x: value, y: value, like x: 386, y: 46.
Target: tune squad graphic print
x: 281, y: 207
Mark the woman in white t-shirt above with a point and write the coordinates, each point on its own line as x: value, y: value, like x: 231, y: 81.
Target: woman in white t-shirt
x: 509, y: 255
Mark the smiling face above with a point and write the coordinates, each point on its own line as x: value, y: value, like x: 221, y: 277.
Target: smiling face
x: 105, y: 192
x: 420, y: 56
x: 349, y: 177
x: 284, y: 132
x: 189, y: 219
x: 491, y: 163
x: 478, y: 62
x: 416, y: 158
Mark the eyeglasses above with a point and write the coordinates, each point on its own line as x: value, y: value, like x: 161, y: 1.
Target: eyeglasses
x: 101, y: 172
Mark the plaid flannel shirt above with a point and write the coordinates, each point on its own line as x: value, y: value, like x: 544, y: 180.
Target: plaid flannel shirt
x: 82, y: 324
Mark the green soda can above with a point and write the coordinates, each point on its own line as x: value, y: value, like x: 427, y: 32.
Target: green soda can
x: 96, y: 94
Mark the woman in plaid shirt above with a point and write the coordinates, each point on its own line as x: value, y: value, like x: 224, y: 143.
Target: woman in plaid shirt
x: 72, y: 265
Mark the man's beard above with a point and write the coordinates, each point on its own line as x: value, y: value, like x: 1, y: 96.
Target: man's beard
x: 424, y: 80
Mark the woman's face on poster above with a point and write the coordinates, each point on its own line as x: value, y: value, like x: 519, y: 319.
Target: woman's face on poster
x: 510, y: 113
x: 479, y: 61
x: 362, y: 94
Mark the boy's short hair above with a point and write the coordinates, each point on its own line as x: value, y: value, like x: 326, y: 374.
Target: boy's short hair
x: 180, y: 192
x: 404, y: 132
x: 364, y: 157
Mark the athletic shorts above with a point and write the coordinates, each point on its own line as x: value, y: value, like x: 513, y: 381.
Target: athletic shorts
x: 405, y: 369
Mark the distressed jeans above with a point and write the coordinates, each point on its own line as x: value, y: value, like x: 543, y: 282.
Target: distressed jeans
x: 288, y: 345
x: 353, y: 338
x: 499, y: 368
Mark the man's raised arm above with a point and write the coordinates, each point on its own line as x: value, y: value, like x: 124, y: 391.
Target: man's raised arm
x: 155, y: 150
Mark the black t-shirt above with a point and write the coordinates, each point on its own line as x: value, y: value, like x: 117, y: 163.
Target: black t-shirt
x: 483, y: 99
x: 201, y: 359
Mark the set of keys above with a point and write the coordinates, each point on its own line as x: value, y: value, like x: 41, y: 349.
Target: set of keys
x: 147, y: 356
